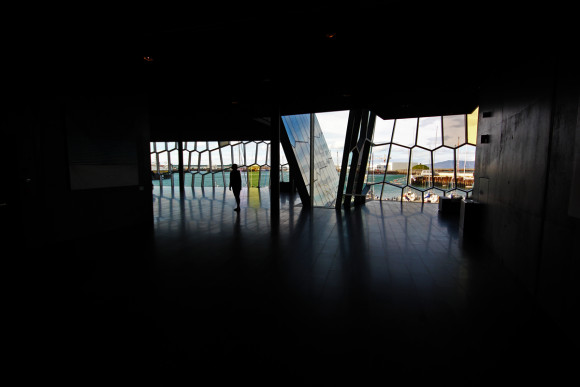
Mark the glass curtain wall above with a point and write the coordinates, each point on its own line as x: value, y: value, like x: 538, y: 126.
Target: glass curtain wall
x: 208, y: 163
x: 421, y: 159
x: 313, y: 158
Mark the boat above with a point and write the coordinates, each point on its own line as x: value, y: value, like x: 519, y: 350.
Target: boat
x: 431, y: 197
x: 410, y: 196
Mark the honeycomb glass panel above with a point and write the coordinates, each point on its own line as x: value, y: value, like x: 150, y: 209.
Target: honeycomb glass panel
x: 412, y: 195
x: 250, y: 149
x: 262, y: 158
x: 211, y: 166
x: 465, y: 166
x: 405, y: 131
x: 421, y: 175
x: 390, y: 192
x: 383, y: 131
x: 215, y: 159
x: 173, y: 160
x: 430, y: 135
x: 204, y: 165
x: 194, y: 161
x: 398, y: 166
x: 378, y: 164
x: 264, y: 176
x: 454, y: 130
x: 444, y: 168
x: 472, y: 121
x: 253, y: 175
x: 238, y: 154
x: 226, y: 153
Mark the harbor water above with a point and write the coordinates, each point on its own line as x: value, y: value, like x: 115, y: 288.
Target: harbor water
x: 392, y: 191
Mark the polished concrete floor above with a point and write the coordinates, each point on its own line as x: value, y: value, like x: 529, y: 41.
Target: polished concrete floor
x: 385, y: 292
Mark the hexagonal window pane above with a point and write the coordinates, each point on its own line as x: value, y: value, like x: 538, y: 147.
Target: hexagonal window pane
x: 193, y: 161
x: 420, y: 168
x: 173, y: 160
x: 262, y: 158
x: 443, y: 168
x: 383, y: 131
x: 253, y: 173
x: 472, y: 122
x: 227, y: 157
x: 433, y: 195
x: 465, y: 156
x: 405, y: 131
x: 412, y: 195
x: 378, y: 163
x: 216, y: 162
x: 238, y: 154
x: 454, y: 130
x: 390, y: 192
x: 250, y: 149
x: 430, y: 134
x: 397, y: 168
x: 204, y: 161
x: 201, y: 146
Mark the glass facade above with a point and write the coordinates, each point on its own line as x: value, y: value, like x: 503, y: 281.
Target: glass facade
x: 325, y: 183
x: 412, y: 159
x: 207, y: 163
x: 420, y: 159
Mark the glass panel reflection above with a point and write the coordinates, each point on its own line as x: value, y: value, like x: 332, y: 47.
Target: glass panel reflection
x: 325, y: 182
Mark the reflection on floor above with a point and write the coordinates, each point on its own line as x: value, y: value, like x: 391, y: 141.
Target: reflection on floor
x: 386, y: 290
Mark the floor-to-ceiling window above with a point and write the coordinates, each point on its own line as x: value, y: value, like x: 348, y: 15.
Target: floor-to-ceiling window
x: 420, y: 159
x: 207, y: 163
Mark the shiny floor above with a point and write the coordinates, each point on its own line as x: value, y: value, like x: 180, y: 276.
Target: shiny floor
x: 387, y: 290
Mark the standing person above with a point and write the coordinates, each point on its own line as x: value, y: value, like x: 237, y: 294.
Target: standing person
x: 236, y: 184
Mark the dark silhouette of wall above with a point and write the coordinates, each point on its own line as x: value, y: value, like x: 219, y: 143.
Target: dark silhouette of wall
x: 523, y: 178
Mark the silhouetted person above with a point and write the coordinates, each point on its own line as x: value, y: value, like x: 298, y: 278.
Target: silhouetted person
x: 236, y: 184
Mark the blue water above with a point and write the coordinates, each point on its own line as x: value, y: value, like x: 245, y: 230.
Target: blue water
x: 219, y: 179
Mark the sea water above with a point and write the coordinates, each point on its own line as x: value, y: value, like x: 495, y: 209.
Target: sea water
x: 262, y: 179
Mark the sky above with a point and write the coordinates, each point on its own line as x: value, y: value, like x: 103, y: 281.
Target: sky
x: 333, y: 125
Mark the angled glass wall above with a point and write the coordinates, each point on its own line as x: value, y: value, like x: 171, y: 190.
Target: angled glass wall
x: 313, y: 158
x: 421, y: 159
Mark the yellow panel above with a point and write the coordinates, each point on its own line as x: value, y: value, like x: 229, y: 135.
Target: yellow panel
x: 472, y: 126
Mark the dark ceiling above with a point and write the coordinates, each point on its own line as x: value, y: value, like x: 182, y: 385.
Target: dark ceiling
x: 399, y: 61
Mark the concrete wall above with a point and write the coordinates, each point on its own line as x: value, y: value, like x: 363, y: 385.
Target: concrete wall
x: 47, y: 207
x: 523, y: 178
